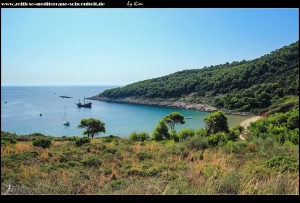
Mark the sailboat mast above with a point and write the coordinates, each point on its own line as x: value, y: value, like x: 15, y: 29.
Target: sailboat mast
x: 65, y: 114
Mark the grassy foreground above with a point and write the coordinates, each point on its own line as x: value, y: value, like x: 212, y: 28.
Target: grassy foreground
x: 114, y: 165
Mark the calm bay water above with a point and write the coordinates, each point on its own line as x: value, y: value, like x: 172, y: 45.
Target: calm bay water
x: 24, y: 104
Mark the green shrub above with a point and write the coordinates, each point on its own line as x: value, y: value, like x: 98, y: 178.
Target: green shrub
x: 74, y: 138
x: 37, y: 135
x: 211, y: 171
x: 144, y: 155
x: 185, y: 133
x: 8, y: 141
x: 8, y: 138
x: 136, y: 172
x: 81, y: 141
x: 283, y: 163
x: 201, y: 132
x: 110, y: 150
x: 232, y: 147
x: 117, y: 184
x: 280, y: 126
x: 142, y: 136
x: 42, y: 142
x: 107, y: 171
x: 154, y: 172
x: 172, y: 176
x: 25, y: 157
x: 294, y: 136
x: 174, y: 136
x: 110, y: 138
x: 91, y: 161
x: 197, y: 142
x: 234, y: 133
x: 229, y: 184
x: 178, y: 149
x: 215, y: 139
x: 161, y: 131
x: 74, y: 163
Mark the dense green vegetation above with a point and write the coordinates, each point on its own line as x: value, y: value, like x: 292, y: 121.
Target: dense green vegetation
x: 283, y: 127
x: 242, y: 86
x: 42, y: 142
x: 216, y: 122
x: 161, y: 131
x: 142, y: 136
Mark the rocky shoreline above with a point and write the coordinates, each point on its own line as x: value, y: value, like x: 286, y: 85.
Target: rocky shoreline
x: 166, y: 103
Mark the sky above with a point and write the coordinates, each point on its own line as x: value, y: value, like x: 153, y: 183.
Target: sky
x: 90, y: 46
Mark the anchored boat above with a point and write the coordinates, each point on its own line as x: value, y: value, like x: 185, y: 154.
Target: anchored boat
x: 65, y: 122
x: 84, y: 104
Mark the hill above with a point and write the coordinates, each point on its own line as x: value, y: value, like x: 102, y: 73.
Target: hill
x: 246, y: 86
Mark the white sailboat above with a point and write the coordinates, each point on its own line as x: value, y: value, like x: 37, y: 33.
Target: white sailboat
x: 65, y: 122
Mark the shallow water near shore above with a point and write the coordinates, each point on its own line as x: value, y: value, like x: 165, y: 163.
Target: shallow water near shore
x: 21, y: 113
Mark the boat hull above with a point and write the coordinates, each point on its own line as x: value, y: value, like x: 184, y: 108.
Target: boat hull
x: 86, y: 105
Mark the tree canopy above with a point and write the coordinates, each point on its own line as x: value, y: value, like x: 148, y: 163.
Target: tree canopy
x: 92, y: 126
x: 173, y: 119
x: 161, y: 131
x: 216, y: 122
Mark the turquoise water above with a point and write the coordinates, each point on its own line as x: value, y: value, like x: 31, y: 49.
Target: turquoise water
x: 21, y: 113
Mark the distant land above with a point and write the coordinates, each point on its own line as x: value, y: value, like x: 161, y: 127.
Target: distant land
x: 245, y: 87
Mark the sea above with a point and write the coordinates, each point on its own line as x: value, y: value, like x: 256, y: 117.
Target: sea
x: 21, y: 108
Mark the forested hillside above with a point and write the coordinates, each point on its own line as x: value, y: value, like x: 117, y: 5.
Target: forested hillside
x: 241, y: 86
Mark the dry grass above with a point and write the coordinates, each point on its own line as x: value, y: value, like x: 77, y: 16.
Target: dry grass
x: 162, y: 172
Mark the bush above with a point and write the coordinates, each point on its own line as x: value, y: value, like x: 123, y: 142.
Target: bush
x: 215, y: 139
x: 110, y: 138
x: 161, y: 131
x: 185, y: 133
x: 26, y: 157
x: 8, y: 141
x: 178, y: 149
x: 232, y: 147
x: 117, y: 184
x: 107, y: 171
x: 142, y: 136
x: 91, y: 161
x: 174, y: 136
x: 196, y: 142
x: 73, y: 163
x: 144, y: 155
x: 229, y: 184
x: 81, y: 141
x: 280, y: 126
x: 283, y: 163
x: 8, y: 138
x: 154, y: 172
x: 235, y: 132
x: 37, y: 135
x: 110, y: 150
x: 42, y: 142
x: 136, y: 172
x: 201, y: 132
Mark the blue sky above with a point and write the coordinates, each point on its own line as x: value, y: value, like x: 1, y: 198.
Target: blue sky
x: 120, y: 46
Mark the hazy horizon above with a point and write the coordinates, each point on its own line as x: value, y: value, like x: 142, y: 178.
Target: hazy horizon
x: 116, y: 47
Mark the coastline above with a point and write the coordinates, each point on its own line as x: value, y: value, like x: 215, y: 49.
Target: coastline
x: 166, y: 103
